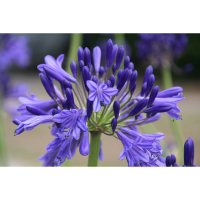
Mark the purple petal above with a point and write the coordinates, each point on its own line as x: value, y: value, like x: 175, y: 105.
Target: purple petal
x: 50, y: 60
x: 92, y: 96
x: 92, y: 85
x: 59, y: 60
x: 96, y: 104
x: 106, y: 98
x: 84, y: 148
x: 110, y: 91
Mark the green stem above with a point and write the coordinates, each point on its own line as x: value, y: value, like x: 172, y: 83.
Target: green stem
x: 94, y: 148
x: 3, y: 156
x: 75, y: 42
x: 176, y: 128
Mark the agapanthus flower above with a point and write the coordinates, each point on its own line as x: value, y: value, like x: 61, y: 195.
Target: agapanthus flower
x: 102, y: 100
x: 188, y: 155
x: 161, y: 50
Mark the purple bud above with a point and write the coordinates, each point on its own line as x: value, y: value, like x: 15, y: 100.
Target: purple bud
x: 101, y: 72
x: 150, y: 84
x: 108, y: 83
x: 114, y: 124
x: 66, y: 84
x: 80, y: 54
x: 126, y: 62
x: 86, y: 74
x: 168, y: 161
x: 66, y: 104
x: 112, y: 80
x: 120, y: 55
x: 87, y: 56
x: 47, y: 85
x: 54, y: 111
x: 130, y: 72
x: 175, y: 165
x: 119, y: 75
x: 97, y: 58
x: 133, y: 79
x: 95, y: 79
x: 189, y: 152
x: 54, y: 74
x: 70, y: 98
x: 73, y: 68
x: 114, y: 68
x: 81, y: 65
x: 133, y: 88
x: 158, y: 109
x: 116, y: 108
x: 114, y: 52
x: 148, y: 72
x: 109, y: 50
x: 138, y: 107
x: 35, y: 111
x: 131, y: 66
x: 173, y: 158
x: 153, y: 95
x: 123, y: 79
x: 143, y: 90
x: 89, y: 108
x: 84, y: 147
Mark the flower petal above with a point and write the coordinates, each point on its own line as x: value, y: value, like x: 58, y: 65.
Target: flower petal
x: 96, y: 104
x: 110, y: 91
x: 92, y: 85
x: 92, y: 96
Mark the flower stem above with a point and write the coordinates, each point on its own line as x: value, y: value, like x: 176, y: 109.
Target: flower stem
x: 3, y: 156
x: 167, y: 83
x: 94, y: 148
x: 75, y: 42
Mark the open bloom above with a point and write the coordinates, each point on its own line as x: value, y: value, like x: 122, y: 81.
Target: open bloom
x: 100, y: 94
x: 102, y: 100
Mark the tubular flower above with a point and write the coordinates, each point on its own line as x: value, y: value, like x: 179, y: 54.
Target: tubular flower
x: 101, y: 100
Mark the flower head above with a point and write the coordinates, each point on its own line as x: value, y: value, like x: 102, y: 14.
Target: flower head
x: 101, y: 100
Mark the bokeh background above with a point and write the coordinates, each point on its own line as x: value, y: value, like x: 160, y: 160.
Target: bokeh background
x: 24, y: 149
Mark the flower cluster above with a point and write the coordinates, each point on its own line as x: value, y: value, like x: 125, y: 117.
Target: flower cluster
x: 188, y: 155
x: 13, y: 50
x: 162, y: 49
x: 102, y: 100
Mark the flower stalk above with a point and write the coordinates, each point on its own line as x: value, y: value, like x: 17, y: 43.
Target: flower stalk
x: 75, y: 42
x: 94, y: 148
x: 176, y: 129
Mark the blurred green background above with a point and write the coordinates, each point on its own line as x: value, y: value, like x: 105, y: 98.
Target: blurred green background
x: 24, y: 150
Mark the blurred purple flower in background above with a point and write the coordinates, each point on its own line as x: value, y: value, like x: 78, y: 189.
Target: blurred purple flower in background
x: 14, y: 50
x: 161, y: 50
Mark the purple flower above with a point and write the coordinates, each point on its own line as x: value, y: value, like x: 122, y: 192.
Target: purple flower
x: 100, y: 93
x: 75, y: 112
x: 70, y: 119
x: 14, y: 50
x: 140, y: 149
x: 33, y: 122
